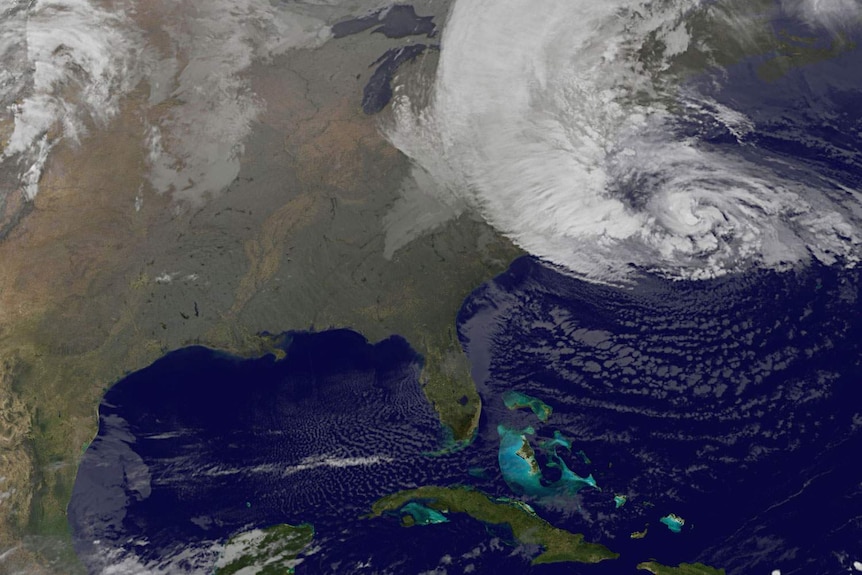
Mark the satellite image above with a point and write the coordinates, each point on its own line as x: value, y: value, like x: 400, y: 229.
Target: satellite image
x: 442, y: 287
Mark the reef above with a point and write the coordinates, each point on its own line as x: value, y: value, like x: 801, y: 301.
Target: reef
x: 673, y: 522
x: 522, y: 472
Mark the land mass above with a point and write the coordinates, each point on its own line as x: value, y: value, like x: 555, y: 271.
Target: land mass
x: 681, y: 569
x: 557, y: 545
x: 269, y: 551
x: 105, y: 275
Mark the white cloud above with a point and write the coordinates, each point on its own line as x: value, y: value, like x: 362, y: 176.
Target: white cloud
x: 195, y: 151
x: 68, y: 63
x: 834, y: 14
x: 546, y: 121
x: 331, y: 461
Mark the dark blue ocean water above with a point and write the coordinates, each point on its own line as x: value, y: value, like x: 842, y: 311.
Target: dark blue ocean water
x: 735, y: 404
x: 202, y: 445
x: 806, y: 118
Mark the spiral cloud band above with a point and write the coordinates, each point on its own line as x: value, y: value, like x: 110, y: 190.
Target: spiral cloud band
x: 560, y: 123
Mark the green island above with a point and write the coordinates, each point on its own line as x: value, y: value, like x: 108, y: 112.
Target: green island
x: 526, y: 452
x: 525, y: 506
x: 312, y: 255
x: 270, y: 551
x: 96, y: 310
x: 640, y: 534
x: 557, y: 544
x: 517, y: 400
x: 681, y: 569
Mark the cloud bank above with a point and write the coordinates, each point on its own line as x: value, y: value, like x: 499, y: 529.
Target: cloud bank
x: 555, y: 121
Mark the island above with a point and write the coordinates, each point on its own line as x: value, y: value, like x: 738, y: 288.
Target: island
x: 517, y: 400
x: 295, y: 246
x: 681, y: 569
x: 269, y: 551
x: 522, y: 472
x: 528, y: 528
x: 673, y: 522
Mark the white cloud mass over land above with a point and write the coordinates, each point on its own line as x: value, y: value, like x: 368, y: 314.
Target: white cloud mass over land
x: 543, y: 118
x: 546, y: 120
x: 69, y: 63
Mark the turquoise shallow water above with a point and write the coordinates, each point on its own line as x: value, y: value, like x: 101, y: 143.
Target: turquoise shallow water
x: 673, y: 522
x: 202, y: 445
x: 523, y: 473
x: 707, y: 400
x: 423, y: 515
x: 518, y: 400
x: 733, y: 402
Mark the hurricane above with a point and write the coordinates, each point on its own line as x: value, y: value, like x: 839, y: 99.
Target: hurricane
x: 606, y: 137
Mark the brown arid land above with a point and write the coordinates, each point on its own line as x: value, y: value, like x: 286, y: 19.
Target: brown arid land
x: 103, y: 275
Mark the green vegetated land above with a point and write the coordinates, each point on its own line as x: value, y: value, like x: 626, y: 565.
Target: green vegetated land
x: 740, y: 29
x: 270, y: 551
x: 294, y: 246
x: 681, y: 569
x: 528, y: 528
